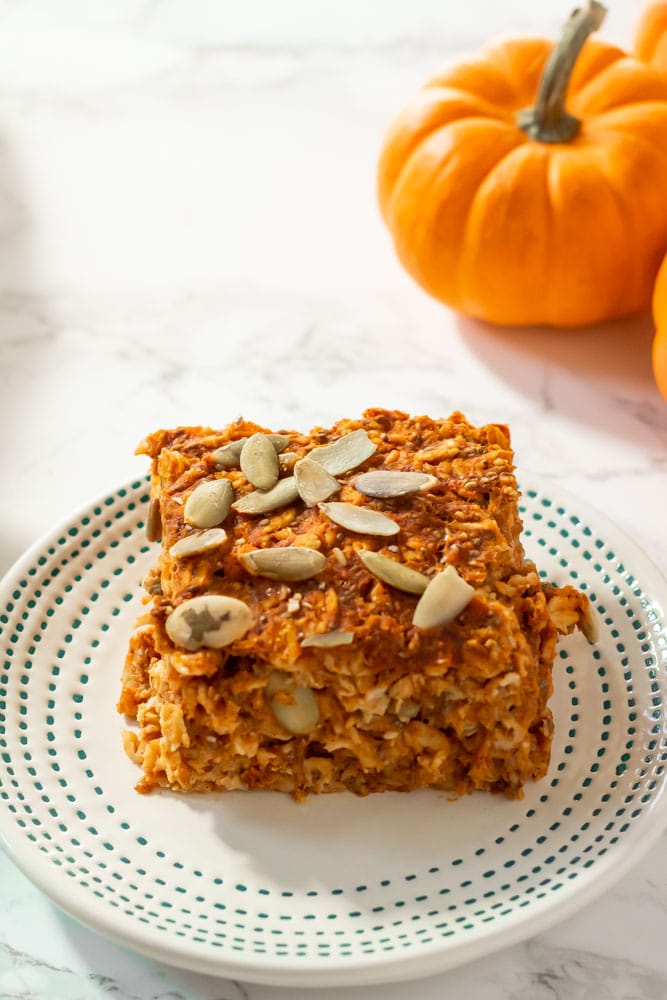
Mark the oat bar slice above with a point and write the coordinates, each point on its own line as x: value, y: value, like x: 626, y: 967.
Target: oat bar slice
x: 389, y: 636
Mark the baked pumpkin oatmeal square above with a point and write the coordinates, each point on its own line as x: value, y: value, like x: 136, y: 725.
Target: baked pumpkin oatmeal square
x: 349, y: 609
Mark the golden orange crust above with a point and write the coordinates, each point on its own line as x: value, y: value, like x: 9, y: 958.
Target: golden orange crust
x: 460, y: 707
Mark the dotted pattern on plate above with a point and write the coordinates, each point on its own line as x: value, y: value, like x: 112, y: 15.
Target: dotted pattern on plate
x: 87, y: 838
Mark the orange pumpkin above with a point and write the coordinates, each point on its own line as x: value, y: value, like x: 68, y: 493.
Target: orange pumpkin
x: 543, y: 216
x: 660, y: 340
x: 651, y: 36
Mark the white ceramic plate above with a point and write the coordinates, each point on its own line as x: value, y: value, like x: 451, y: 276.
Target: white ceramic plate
x: 338, y: 890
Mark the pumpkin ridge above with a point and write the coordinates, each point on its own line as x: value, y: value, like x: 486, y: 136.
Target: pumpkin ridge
x: 468, y: 302
x: 443, y: 164
x: 480, y: 76
x: 395, y: 192
x: 599, y: 281
x: 550, y: 239
x: 620, y: 130
x: 650, y: 43
x: 489, y: 110
x: 510, y: 55
x: 421, y: 133
x: 660, y: 151
x: 637, y: 242
x: 596, y: 57
x: 475, y: 119
x: 598, y: 124
x: 437, y: 270
x: 610, y: 89
x: 634, y: 241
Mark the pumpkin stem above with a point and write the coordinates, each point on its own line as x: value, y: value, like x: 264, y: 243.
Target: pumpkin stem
x: 548, y: 121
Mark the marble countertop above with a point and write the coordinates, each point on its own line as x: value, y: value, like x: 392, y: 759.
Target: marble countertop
x: 189, y: 232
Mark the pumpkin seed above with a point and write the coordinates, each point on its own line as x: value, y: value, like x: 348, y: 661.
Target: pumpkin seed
x: 198, y: 541
x: 327, y: 640
x: 394, y: 573
x: 313, y: 482
x: 445, y: 597
x: 259, y: 462
x: 299, y: 717
x: 360, y: 519
x: 344, y: 454
x: 383, y: 484
x: 229, y: 455
x: 590, y: 626
x: 294, y: 562
x: 261, y: 502
x: 211, y: 620
x: 287, y: 459
x: 154, y: 521
x: 279, y: 441
x: 208, y: 504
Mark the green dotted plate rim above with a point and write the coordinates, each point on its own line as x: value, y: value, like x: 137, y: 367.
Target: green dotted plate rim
x: 375, y: 966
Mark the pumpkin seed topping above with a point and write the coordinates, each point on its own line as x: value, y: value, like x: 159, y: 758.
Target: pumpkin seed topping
x: 154, y: 521
x: 327, y: 640
x: 208, y: 504
x: 279, y: 441
x: 382, y: 484
x: 197, y: 542
x: 259, y: 462
x: 394, y: 573
x: 210, y: 620
x: 360, y: 519
x: 291, y: 563
x: 228, y: 456
x: 344, y: 454
x: 590, y: 626
x: 287, y: 459
x: 313, y: 482
x: 296, y: 711
x: 262, y: 502
x: 445, y: 597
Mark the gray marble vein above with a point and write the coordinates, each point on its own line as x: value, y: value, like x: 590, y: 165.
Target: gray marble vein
x: 568, y: 974
x: 25, y: 977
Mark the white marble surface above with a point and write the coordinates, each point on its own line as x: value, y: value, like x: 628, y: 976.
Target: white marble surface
x: 188, y: 232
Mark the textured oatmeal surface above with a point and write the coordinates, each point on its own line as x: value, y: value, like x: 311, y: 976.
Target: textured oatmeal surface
x: 461, y: 706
